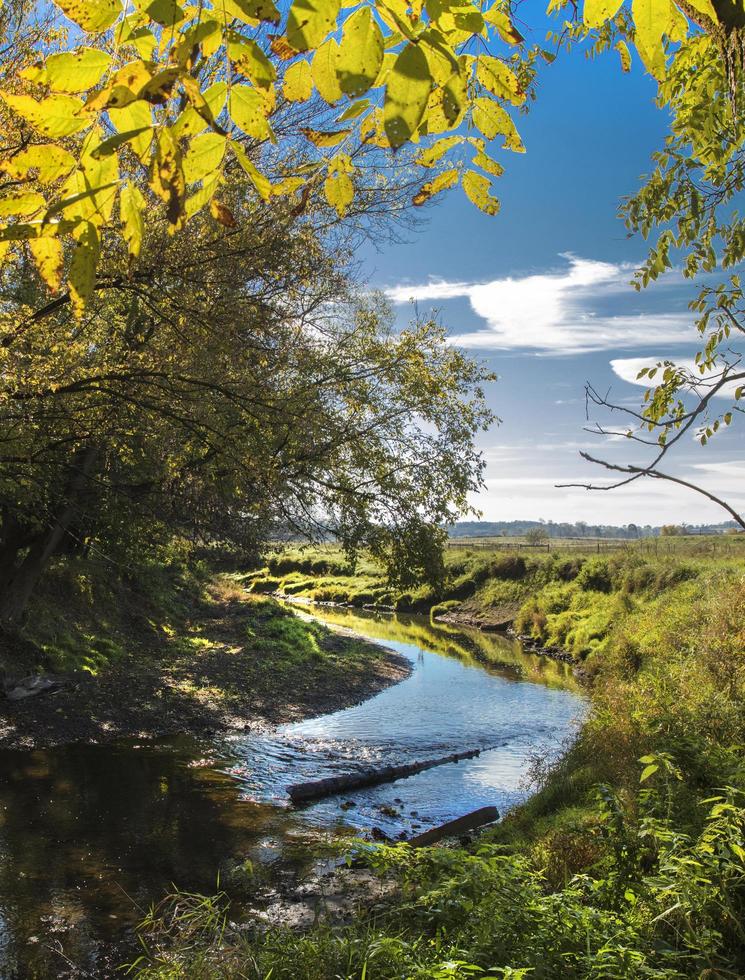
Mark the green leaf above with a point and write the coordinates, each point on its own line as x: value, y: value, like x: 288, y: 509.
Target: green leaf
x: 73, y: 71
x: 648, y: 771
x: 441, y: 182
x: 323, y: 72
x: 247, y: 109
x: 596, y: 12
x: 360, y: 53
x: 48, y: 161
x: 132, y: 212
x: 310, y: 22
x: 204, y: 156
x: 55, y: 116
x: 297, y: 85
x: 477, y: 188
x: 92, y: 15
x: 406, y: 95
x: 499, y: 79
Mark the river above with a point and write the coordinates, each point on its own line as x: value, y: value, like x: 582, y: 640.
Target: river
x: 90, y: 836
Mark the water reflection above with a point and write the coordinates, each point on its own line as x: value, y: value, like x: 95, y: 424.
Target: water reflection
x: 469, y: 690
x: 91, y: 835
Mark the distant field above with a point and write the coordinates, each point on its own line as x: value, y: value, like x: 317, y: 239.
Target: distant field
x: 725, y: 545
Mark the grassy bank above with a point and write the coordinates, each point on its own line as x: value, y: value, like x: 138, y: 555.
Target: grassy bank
x: 629, y: 861
x: 172, y: 647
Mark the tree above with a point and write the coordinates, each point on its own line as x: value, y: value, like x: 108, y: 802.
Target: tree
x: 536, y: 535
x: 234, y: 385
x: 689, y: 201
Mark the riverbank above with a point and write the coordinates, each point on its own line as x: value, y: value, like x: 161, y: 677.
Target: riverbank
x: 175, y: 652
x: 628, y: 860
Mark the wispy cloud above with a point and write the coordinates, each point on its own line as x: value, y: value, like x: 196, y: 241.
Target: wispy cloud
x: 555, y: 311
x: 628, y: 368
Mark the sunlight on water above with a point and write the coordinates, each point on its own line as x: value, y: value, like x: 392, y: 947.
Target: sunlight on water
x: 91, y: 835
x: 477, y: 691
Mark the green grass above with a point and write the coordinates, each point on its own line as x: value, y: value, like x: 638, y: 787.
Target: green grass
x: 629, y: 859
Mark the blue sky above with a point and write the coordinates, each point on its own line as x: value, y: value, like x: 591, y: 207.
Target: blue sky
x: 540, y: 293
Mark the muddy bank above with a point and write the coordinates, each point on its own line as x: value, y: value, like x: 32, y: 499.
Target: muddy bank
x: 229, y: 676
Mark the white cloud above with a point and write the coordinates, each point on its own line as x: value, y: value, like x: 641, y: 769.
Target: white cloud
x: 628, y: 368
x: 555, y: 311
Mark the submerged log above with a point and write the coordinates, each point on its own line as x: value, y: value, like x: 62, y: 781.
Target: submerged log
x: 469, y: 821
x: 303, y: 792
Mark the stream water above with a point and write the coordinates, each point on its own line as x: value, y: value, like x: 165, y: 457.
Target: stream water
x: 90, y: 836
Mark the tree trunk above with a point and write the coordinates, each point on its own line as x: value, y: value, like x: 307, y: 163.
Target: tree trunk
x: 20, y: 581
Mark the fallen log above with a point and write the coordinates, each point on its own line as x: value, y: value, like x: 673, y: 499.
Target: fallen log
x: 303, y: 792
x: 469, y: 821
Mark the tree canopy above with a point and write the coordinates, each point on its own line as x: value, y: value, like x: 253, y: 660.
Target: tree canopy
x: 112, y: 110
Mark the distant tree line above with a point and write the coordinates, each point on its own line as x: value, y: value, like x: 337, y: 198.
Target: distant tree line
x: 469, y: 529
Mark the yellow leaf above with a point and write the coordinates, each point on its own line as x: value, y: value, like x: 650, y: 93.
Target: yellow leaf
x: 220, y: 212
x: 330, y: 138
x: 92, y: 15
x: 132, y: 212
x: 126, y: 86
x: 486, y: 163
x: 164, y: 12
x: 261, y: 183
x: 339, y: 191
x: 82, y: 277
x: 624, y: 54
x: 203, y: 196
x: 23, y: 204
x: 251, y: 61
x: 440, y: 183
x: 651, y: 20
x: 135, y: 116
x: 310, y: 22
x: 55, y: 116
x: 430, y: 156
x: 406, y: 95
x: 72, y: 71
x: 168, y: 178
x: 597, y: 12
x: 492, y: 120
x: 49, y: 258
x: 705, y: 7
x: 477, y: 189
x: 247, y: 110
x: 249, y: 11
x: 507, y: 30
x: 297, y: 85
x: 204, y: 156
x: 324, y: 72
x: 360, y: 53
x: 499, y: 79
x: 48, y: 161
